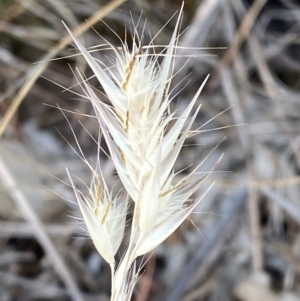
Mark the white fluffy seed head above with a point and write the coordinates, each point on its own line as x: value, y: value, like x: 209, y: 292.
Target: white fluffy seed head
x: 143, y: 151
x: 104, y: 216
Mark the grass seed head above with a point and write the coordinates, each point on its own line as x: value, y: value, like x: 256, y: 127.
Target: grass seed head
x: 142, y: 149
x: 104, y: 216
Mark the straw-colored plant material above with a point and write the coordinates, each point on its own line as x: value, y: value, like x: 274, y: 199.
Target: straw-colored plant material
x: 143, y: 152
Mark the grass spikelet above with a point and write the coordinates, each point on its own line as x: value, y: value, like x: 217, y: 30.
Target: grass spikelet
x: 144, y: 153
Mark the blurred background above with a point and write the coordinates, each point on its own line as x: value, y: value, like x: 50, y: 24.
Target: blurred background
x: 243, y: 241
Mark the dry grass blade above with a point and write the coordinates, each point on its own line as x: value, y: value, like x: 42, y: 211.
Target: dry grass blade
x: 240, y: 36
x: 265, y: 74
x: 16, y: 229
x: 238, y: 115
x: 33, y: 74
x: 243, y: 30
x: 28, y: 213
